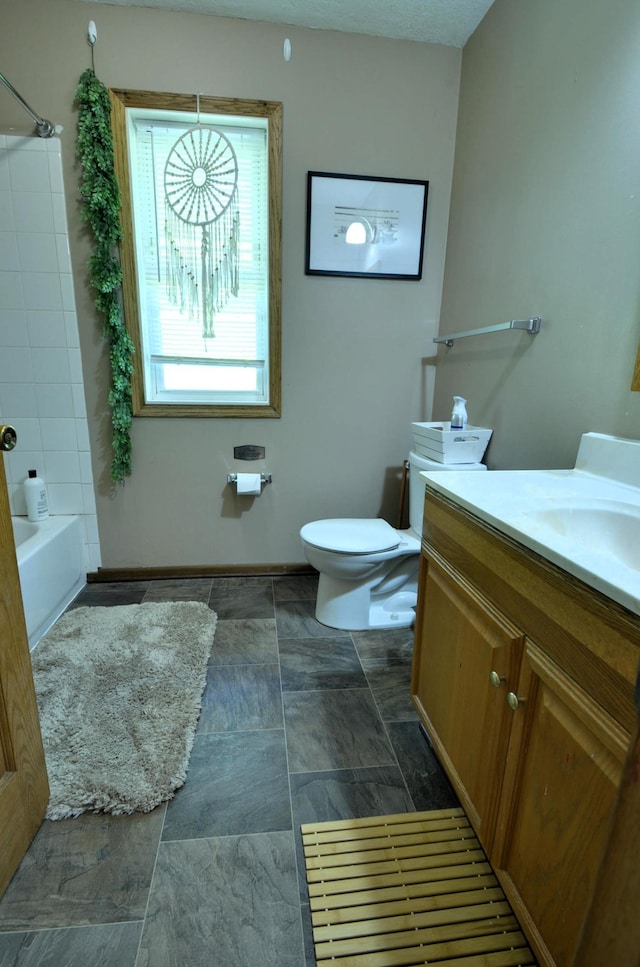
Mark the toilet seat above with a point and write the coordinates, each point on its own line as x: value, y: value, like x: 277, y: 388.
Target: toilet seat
x: 351, y: 535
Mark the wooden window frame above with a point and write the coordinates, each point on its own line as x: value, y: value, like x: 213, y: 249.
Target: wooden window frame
x: 122, y: 99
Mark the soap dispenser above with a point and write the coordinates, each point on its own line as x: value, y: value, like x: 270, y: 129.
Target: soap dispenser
x: 459, y: 413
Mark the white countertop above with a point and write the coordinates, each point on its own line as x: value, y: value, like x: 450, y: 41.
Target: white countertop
x: 586, y: 523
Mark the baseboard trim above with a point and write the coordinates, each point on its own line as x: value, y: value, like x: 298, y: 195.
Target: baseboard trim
x: 104, y: 574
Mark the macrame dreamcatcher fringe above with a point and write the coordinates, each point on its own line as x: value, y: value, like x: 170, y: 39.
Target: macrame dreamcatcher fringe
x: 203, y: 290
x: 202, y: 224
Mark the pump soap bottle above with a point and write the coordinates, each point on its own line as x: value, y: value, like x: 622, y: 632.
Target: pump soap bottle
x: 459, y: 413
x: 35, y: 494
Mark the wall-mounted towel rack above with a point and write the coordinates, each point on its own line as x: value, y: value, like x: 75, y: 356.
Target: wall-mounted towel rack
x: 532, y: 326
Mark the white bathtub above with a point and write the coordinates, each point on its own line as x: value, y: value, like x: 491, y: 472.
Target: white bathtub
x: 50, y: 564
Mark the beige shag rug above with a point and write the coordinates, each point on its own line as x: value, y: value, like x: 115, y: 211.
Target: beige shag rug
x: 119, y: 693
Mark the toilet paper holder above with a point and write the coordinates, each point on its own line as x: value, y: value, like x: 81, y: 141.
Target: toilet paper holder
x: 265, y: 478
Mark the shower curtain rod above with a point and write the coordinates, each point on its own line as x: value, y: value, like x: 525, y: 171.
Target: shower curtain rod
x: 44, y: 128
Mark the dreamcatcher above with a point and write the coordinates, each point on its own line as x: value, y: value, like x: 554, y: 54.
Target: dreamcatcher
x: 202, y: 223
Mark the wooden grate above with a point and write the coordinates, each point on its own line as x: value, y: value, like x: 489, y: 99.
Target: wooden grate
x: 408, y: 889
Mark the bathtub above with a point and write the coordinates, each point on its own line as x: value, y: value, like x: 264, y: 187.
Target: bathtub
x: 50, y: 565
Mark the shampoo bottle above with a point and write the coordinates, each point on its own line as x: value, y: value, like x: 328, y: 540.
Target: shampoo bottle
x: 459, y: 413
x: 35, y: 494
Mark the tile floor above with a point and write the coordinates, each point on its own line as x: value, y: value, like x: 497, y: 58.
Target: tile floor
x: 299, y: 723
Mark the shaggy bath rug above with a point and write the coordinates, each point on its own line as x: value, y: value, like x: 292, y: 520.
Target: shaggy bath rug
x: 119, y: 693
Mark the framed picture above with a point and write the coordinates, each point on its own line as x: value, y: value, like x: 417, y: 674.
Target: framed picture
x: 366, y: 227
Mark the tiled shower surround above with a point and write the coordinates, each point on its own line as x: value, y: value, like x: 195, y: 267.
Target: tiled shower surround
x: 41, y: 382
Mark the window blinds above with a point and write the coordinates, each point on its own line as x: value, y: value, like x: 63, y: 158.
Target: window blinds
x: 177, y: 358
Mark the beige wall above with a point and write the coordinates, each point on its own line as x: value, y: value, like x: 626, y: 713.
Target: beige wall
x: 354, y: 373
x: 545, y: 220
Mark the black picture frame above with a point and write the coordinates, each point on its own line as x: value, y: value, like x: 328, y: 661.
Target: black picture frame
x: 387, y: 216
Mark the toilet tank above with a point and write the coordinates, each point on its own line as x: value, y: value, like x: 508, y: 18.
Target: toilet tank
x: 417, y: 484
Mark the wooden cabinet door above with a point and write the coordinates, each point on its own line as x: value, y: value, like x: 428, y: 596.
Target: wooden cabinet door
x: 565, y: 761
x: 460, y: 641
x: 24, y: 789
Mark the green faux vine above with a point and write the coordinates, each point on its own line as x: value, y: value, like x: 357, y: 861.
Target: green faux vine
x: 101, y: 209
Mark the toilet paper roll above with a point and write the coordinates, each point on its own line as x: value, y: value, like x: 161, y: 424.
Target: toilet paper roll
x: 248, y: 483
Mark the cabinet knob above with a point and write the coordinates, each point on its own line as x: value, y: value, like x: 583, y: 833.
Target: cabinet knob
x: 496, y: 680
x: 513, y: 701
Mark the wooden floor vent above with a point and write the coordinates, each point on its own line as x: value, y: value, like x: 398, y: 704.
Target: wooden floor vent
x: 409, y: 889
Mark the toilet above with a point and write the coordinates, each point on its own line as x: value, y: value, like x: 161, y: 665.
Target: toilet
x: 369, y: 569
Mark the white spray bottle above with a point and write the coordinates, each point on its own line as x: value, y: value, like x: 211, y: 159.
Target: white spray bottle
x: 459, y: 413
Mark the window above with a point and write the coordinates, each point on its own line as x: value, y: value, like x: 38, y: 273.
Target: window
x: 200, y: 179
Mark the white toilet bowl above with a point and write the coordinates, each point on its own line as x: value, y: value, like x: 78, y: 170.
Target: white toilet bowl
x: 368, y: 569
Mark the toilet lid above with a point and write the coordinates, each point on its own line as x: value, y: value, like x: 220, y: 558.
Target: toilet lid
x: 351, y: 535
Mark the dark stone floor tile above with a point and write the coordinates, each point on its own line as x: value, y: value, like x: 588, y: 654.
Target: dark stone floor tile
x: 320, y: 797
x: 252, y: 601
x: 307, y: 933
x: 189, y: 589
x: 309, y: 663
x: 425, y: 777
x: 237, y: 783
x: 242, y: 641
x: 390, y: 683
x: 393, y: 644
x: 92, y: 869
x: 241, y: 698
x: 110, y: 594
x: 229, y: 901
x: 296, y: 619
x: 334, y: 729
x: 296, y: 587
x: 111, y: 945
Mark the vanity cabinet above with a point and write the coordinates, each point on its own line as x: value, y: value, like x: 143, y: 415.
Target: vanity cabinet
x: 465, y: 642
x: 523, y: 678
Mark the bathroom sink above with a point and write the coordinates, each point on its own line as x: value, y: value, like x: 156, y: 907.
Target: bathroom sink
x: 585, y: 520
x: 610, y: 528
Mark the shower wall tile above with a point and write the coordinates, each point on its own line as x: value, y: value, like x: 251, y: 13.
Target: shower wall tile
x: 59, y: 434
x: 6, y: 203
x: 63, y: 253
x: 29, y: 171
x: 11, y: 293
x: 33, y: 212
x: 89, y: 500
x: 42, y: 290
x: 67, y: 293
x: 38, y: 252
x: 9, y: 255
x: 71, y: 330
x: 13, y: 328
x: 51, y: 365
x: 82, y: 437
x: 62, y: 467
x: 41, y: 379
x: 16, y: 365
x: 59, y: 214
x: 64, y: 498
x: 55, y: 172
x: 46, y: 328
x: 54, y: 400
x: 30, y: 434
x: 75, y: 365
x: 17, y: 399
x: 79, y: 404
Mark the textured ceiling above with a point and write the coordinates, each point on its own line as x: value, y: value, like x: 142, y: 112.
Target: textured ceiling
x: 449, y: 22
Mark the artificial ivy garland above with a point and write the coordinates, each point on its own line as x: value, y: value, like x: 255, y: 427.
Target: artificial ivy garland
x: 101, y: 208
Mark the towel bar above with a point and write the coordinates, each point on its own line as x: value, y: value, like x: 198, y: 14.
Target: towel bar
x: 532, y: 326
